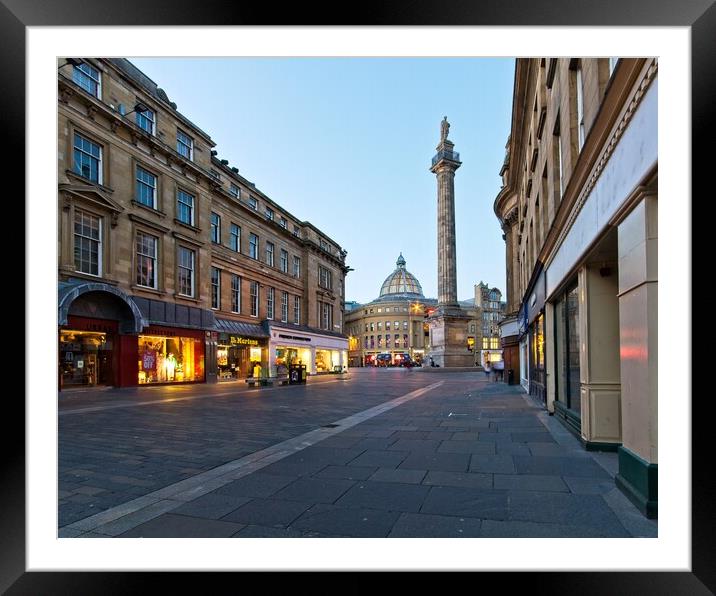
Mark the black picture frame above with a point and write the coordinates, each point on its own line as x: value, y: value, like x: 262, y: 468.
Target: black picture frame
x: 699, y: 15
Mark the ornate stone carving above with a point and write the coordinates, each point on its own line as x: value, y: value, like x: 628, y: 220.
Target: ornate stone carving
x: 91, y: 111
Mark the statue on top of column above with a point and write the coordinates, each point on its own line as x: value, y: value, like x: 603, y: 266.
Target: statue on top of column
x: 444, y: 129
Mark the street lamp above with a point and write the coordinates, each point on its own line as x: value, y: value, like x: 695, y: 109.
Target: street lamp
x: 139, y: 107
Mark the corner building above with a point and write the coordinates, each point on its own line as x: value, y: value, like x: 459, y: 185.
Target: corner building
x: 579, y: 211
x: 173, y: 268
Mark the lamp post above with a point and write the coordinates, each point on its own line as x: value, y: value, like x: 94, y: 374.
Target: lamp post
x: 139, y: 107
x: 72, y: 61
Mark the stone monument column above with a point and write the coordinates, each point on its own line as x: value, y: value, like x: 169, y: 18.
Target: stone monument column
x: 448, y: 324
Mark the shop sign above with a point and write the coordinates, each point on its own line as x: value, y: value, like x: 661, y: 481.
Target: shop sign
x: 298, y: 337
x: 236, y: 340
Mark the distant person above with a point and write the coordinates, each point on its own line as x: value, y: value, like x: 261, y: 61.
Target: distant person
x: 432, y: 362
x: 488, y: 370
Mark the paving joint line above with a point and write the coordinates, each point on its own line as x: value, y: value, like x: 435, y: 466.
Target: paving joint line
x: 124, y: 517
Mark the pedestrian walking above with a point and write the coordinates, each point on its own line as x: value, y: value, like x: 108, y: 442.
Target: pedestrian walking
x: 488, y: 370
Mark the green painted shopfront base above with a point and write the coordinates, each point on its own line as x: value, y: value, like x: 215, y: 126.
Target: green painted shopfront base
x: 638, y: 480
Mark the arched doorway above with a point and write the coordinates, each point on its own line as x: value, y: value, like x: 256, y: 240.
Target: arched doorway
x: 93, y: 319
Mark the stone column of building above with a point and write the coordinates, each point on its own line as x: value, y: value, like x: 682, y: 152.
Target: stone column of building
x: 448, y: 325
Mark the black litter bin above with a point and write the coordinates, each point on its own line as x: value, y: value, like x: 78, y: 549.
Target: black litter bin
x: 510, y: 377
x: 296, y: 374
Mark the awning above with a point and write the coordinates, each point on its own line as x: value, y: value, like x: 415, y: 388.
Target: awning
x: 238, y: 328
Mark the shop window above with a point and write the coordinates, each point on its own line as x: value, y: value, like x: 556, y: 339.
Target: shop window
x: 170, y: 359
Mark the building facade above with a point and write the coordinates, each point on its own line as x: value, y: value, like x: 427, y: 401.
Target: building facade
x: 396, y: 322
x: 489, y: 302
x: 578, y: 209
x: 172, y: 267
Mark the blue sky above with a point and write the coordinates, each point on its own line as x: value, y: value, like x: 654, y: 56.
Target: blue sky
x: 346, y: 144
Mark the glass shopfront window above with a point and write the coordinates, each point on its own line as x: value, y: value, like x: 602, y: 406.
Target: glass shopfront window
x: 567, y: 350
x: 85, y: 358
x: 170, y: 359
x: 327, y: 360
x: 286, y: 356
x: 236, y: 356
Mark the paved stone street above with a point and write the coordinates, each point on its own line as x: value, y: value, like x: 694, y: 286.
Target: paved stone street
x: 375, y: 453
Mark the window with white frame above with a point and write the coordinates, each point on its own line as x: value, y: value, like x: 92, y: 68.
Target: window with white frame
x: 88, y: 159
x: 254, y: 291
x: 215, y: 288
x: 88, y: 243
x: 186, y: 271
x: 253, y: 203
x: 296, y: 231
x: 284, y: 307
x: 269, y: 213
x: 147, y: 260
x: 215, y: 228
x: 284, y: 260
x: 612, y: 64
x: 325, y: 278
x: 284, y: 223
x: 235, y: 238
x: 146, y: 121
x: 146, y: 188
x: 185, y: 145
x: 185, y: 207
x: 269, y: 254
x: 253, y: 246
x: 234, y: 190
x: 324, y: 245
x: 235, y: 293
x: 269, y: 303
x: 89, y: 78
x: 297, y: 310
x: 296, y: 266
x: 327, y: 315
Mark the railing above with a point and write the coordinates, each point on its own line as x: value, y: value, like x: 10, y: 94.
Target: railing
x: 449, y: 155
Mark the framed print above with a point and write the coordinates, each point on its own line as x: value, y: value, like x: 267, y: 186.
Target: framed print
x: 229, y: 327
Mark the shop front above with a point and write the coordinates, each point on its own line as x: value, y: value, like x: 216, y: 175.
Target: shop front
x: 319, y: 352
x: 170, y: 355
x: 236, y: 356
x: 88, y: 352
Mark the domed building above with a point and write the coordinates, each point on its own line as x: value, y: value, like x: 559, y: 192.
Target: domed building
x: 391, y: 324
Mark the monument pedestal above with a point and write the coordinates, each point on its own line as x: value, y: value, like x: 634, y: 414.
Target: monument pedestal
x: 448, y: 338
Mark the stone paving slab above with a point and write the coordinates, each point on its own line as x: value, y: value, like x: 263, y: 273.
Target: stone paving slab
x: 315, y: 490
x: 419, y: 525
x: 450, y: 462
x: 467, y: 447
x: 212, y: 506
x: 492, y: 464
x: 258, y: 484
x: 399, y: 475
x: 530, y: 482
x: 388, y: 496
x: 347, y: 472
x: 267, y: 512
x: 519, y: 529
x: 459, y: 479
x: 559, y: 466
x: 466, y: 502
x: 381, y: 459
x: 171, y: 525
x: 347, y: 521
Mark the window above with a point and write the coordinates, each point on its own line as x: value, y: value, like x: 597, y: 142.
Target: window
x: 235, y: 293
x: 214, y: 174
x: 297, y: 310
x: 88, y: 159
x: 325, y: 278
x: 234, y: 190
x: 146, y: 188
x: 284, y: 260
x: 215, y: 288
x: 215, y: 228
x: 146, y: 120
x: 269, y: 303
x: 580, y: 108
x: 296, y: 266
x: 269, y: 213
x: 405, y: 325
x: 254, y: 289
x: 185, y: 207
x: 88, y: 243
x: 146, y: 260
x: 324, y: 245
x: 380, y: 341
x: 269, y: 254
x: 253, y: 246
x: 235, y: 238
x: 381, y: 310
x: 88, y: 77
x: 397, y: 325
x: 327, y: 318
x: 296, y: 231
x: 557, y: 142
x: 284, y: 223
x: 387, y: 340
x: 186, y: 271
x: 387, y: 325
x: 372, y: 327
x: 405, y: 340
x: 397, y: 340
x: 185, y: 145
x: 380, y: 325
x: 253, y: 203
x: 472, y: 328
x: 284, y: 307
